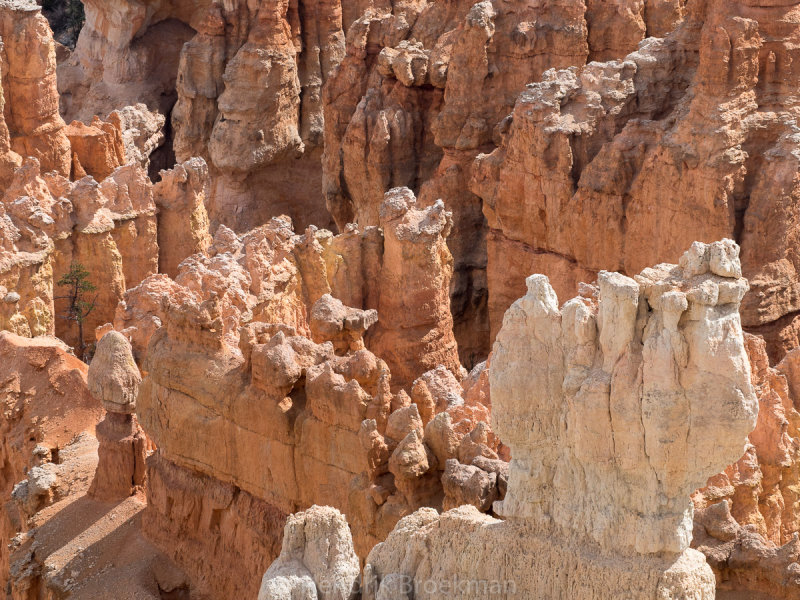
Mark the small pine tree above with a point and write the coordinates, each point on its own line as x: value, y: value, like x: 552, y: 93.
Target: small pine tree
x: 76, y: 280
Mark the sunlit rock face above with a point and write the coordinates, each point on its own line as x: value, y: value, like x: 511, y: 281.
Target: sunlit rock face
x: 688, y: 138
x: 425, y: 87
x: 616, y: 406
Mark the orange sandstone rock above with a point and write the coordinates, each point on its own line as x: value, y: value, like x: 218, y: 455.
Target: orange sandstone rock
x: 46, y: 403
x: 28, y: 60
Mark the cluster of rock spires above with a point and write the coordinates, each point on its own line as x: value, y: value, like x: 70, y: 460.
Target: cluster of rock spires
x: 250, y: 365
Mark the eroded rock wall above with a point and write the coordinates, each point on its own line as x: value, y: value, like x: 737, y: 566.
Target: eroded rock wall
x: 686, y: 139
x: 294, y: 406
x: 46, y: 404
x: 746, y: 518
x: 425, y: 87
x: 28, y: 70
x: 609, y: 393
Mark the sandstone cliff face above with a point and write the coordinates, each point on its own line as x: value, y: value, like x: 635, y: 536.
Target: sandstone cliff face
x: 72, y: 199
x: 686, y: 139
x: 28, y: 69
x: 608, y: 415
x: 293, y: 406
x: 433, y: 84
x: 127, y: 52
x: 396, y: 84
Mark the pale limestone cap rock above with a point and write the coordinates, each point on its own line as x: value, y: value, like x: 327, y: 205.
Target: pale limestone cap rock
x: 114, y: 377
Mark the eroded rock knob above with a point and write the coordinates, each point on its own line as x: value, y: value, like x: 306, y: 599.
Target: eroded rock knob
x: 114, y: 377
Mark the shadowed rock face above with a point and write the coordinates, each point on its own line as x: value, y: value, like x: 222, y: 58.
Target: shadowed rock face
x: 261, y: 384
x: 240, y: 81
x: 615, y: 407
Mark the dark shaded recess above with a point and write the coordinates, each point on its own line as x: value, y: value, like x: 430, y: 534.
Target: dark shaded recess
x: 66, y: 19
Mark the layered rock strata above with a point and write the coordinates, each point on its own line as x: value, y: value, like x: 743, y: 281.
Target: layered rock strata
x: 240, y: 81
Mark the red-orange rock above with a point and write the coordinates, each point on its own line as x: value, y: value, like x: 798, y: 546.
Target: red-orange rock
x: 748, y: 517
x: 97, y: 149
x: 663, y: 148
x: 46, y: 403
x: 31, y: 112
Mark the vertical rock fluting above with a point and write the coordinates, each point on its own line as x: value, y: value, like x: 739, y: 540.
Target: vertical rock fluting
x: 607, y: 407
x: 240, y: 81
x: 28, y: 67
x: 434, y: 83
x: 264, y: 161
x: 686, y: 139
x: 317, y: 554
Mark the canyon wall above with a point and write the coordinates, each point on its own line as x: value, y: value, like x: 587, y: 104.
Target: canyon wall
x: 315, y: 110
x: 458, y: 147
x: 688, y: 138
x: 425, y: 87
x: 296, y: 405
x: 239, y: 82
x: 46, y: 407
x: 605, y: 405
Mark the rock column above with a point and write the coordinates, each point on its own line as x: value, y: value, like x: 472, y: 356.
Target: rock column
x: 114, y: 380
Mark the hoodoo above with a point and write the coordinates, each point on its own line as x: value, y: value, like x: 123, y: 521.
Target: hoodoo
x: 282, y: 293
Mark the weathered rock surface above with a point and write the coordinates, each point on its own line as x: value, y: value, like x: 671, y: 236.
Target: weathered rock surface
x: 688, y: 138
x: 46, y: 406
x: 242, y: 82
x: 617, y: 387
x: 114, y: 380
x: 317, y: 559
x: 114, y: 377
x: 49, y: 223
x: 97, y: 149
x: 414, y: 332
x: 746, y: 519
x: 183, y: 227
x: 28, y: 67
x: 424, y: 87
x: 259, y: 381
